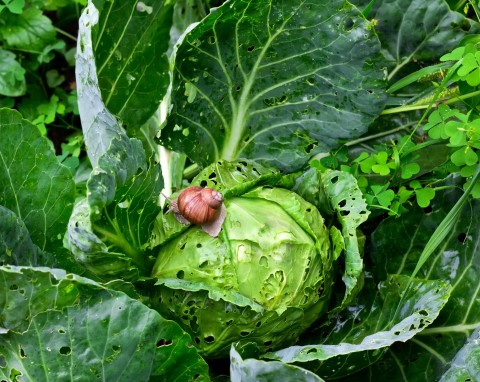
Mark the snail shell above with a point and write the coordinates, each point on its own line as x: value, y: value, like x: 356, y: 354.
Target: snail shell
x: 199, y: 205
x: 203, y: 206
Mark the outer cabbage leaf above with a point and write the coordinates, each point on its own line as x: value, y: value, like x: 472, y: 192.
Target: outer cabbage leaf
x: 262, y: 371
x: 109, y: 230
x: 466, y: 364
x: 130, y: 43
x: 397, y: 244
x: 337, y: 193
x: 374, y: 321
x: 16, y: 246
x: 267, y: 80
x: 65, y: 327
x: 415, y: 29
x: 33, y: 184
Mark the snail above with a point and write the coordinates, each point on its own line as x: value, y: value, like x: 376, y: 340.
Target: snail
x: 202, y: 206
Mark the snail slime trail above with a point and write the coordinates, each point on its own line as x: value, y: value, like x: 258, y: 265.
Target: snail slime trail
x: 202, y: 206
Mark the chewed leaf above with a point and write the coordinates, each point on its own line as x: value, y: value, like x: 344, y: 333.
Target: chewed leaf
x: 347, y: 201
x: 371, y: 325
x: 33, y: 183
x: 76, y: 324
x: 267, y: 80
x: 262, y: 371
x: 465, y: 366
x: 130, y: 45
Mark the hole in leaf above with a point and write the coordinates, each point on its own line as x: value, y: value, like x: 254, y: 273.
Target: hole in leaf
x: 182, y: 247
x: 61, y: 331
x: 211, y: 40
x: 203, y: 264
x: 197, y: 340
x: 311, y: 351
x: 53, y: 280
x: 203, y: 183
x: 13, y: 287
x: 65, y: 350
x: 462, y: 237
x: 164, y: 342
x: 209, y: 339
x: 267, y: 343
x: 244, y: 333
x: 212, y: 175
x: 22, y: 353
x: 310, y: 147
x: 229, y: 322
x: 258, y: 324
x: 199, y: 245
x: 180, y: 274
x: 251, y: 48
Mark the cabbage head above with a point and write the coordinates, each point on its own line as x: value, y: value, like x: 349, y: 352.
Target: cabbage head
x: 270, y: 273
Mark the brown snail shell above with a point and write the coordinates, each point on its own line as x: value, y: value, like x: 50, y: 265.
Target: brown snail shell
x: 203, y: 206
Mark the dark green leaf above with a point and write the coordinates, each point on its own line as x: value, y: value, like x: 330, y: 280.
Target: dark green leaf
x: 113, y: 244
x: 466, y: 364
x: 12, y: 75
x: 99, y: 126
x: 267, y: 80
x: 33, y: 184
x: 130, y: 42
x: 376, y: 320
x: 262, y: 371
x: 397, y: 245
x: 63, y: 327
x: 415, y: 29
x: 16, y: 247
x: 107, y: 233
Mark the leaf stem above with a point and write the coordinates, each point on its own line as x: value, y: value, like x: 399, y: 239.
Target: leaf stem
x: 401, y: 109
x: 381, y: 134
x: 66, y: 34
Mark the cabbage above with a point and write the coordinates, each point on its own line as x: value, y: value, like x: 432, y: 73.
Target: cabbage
x: 265, y: 279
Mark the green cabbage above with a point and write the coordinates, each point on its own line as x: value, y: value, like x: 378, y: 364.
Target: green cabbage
x: 265, y: 279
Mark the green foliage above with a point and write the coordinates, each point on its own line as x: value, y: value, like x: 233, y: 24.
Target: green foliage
x: 277, y: 82
x: 242, y: 90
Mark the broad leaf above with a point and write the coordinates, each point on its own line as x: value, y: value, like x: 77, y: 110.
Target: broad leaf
x: 274, y: 81
x: 130, y: 42
x: 262, y: 371
x: 16, y: 246
x: 466, y: 364
x: 108, y: 231
x: 67, y: 327
x: 112, y: 244
x: 99, y: 126
x: 33, y: 184
x: 397, y: 244
x: 415, y: 29
x: 362, y: 333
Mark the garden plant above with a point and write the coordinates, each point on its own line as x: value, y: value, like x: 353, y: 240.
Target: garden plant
x: 240, y: 190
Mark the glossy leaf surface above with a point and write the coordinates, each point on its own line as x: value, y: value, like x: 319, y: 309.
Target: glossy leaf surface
x: 274, y: 81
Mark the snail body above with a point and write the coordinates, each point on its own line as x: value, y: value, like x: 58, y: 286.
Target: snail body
x: 202, y: 206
